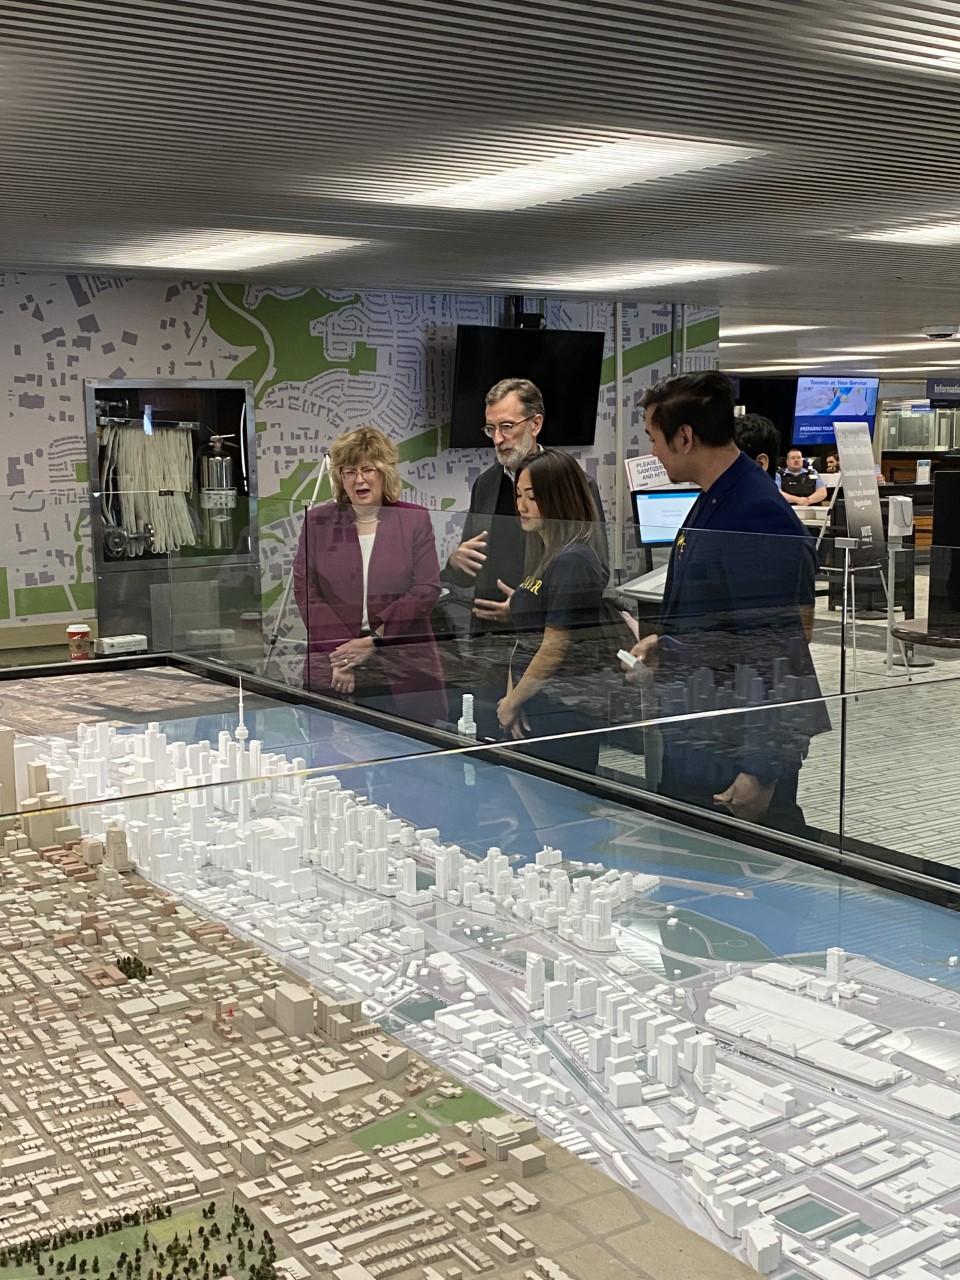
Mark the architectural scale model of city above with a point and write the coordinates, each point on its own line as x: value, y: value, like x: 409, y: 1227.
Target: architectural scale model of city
x: 766, y: 1105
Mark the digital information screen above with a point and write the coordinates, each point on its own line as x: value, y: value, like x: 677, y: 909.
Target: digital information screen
x: 659, y: 515
x: 823, y: 402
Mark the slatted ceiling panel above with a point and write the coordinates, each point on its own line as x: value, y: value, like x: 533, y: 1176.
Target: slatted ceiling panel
x: 128, y: 121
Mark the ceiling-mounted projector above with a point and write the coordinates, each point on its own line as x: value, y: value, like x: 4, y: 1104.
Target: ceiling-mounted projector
x: 939, y: 332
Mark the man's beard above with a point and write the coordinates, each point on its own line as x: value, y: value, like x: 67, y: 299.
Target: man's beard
x: 518, y: 453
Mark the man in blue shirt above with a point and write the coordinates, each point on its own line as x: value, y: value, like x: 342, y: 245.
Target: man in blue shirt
x: 799, y: 482
x: 731, y: 638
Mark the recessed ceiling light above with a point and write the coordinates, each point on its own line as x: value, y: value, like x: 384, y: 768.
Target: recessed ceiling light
x: 748, y: 330
x: 644, y: 275
x: 931, y: 345
x: 812, y: 362
x: 937, y: 233
x: 779, y: 365
x: 229, y: 250
x: 907, y: 368
x: 577, y: 173
x: 845, y: 357
x: 914, y: 42
x: 768, y: 368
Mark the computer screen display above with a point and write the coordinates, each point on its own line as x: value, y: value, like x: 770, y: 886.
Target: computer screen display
x: 823, y: 402
x: 565, y: 364
x: 659, y: 514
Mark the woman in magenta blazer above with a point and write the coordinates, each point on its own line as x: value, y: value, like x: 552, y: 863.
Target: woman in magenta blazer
x: 366, y: 577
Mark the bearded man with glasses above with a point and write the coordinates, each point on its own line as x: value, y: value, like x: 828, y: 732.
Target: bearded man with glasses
x: 490, y: 557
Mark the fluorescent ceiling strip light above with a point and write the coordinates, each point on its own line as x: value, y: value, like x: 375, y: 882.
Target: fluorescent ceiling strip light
x: 767, y: 368
x: 814, y: 362
x: 230, y: 250
x: 935, y: 233
x: 748, y: 330
x: 931, y: 345
x: 644, y: 275
x: 577, y: 173
x: 846, y: 357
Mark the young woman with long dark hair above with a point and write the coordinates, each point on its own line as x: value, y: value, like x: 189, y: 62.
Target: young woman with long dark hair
x: 555, y: 612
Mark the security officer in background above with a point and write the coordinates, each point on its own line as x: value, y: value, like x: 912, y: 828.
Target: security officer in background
x: 800, y: 484
x: 491, y: 553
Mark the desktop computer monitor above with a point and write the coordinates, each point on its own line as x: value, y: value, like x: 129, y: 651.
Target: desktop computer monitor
x: 659, y: 514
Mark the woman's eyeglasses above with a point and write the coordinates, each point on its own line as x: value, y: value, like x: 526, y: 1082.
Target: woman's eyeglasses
x: 351, y: 473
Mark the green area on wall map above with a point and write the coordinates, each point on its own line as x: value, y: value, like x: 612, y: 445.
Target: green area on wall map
x: 292, y: 495
x: 279, y: 331
x: 4, y: 596
x: 297, y: 488
x: 657, y: 349
x: 50, y: 599
x: 83, y: 595
x: 77, y: 597
x: 81, y: 472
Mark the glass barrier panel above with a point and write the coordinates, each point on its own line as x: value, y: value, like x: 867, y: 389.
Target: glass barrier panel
x: 443, y: 621
x: 179, y: 558
x: 104, y: 732
x: 901, y: 801
x: 463, y: 615
x: 215, y: 615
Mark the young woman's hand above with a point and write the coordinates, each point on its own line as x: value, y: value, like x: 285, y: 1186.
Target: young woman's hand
x: 511, y: 717
x: 494, y: 610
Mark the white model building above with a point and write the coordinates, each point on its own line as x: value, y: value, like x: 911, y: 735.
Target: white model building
x: 466, y: 725
x: 535, y: 980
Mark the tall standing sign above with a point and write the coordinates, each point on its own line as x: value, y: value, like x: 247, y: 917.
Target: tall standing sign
x: 861, y: 493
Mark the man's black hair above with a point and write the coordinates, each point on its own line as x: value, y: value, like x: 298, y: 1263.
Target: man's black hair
x: 704, y: 401
x: 756, y: 434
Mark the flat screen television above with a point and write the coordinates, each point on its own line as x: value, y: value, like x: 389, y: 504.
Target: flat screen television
x: 823, y: 402
x: 564, y: 363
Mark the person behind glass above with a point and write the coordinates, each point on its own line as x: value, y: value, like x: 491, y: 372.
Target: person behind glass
x: 490, y: 556
x: 799, y: 483
x: 759, y: 439
x: 832, y: 464
x: 555, y: 612
x: 366, y: 577
x: 731, y: 631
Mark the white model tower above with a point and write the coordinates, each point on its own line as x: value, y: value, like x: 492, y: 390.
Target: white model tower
x: 535, y: 980
x: 835, y: 959
x: 466, y: 725
x: 241, y: 733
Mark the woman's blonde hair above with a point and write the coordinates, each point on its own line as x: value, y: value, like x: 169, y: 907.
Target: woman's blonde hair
x: 365, y: 446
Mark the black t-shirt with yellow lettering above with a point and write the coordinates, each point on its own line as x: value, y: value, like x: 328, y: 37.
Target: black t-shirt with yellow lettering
x: 567, y: 595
